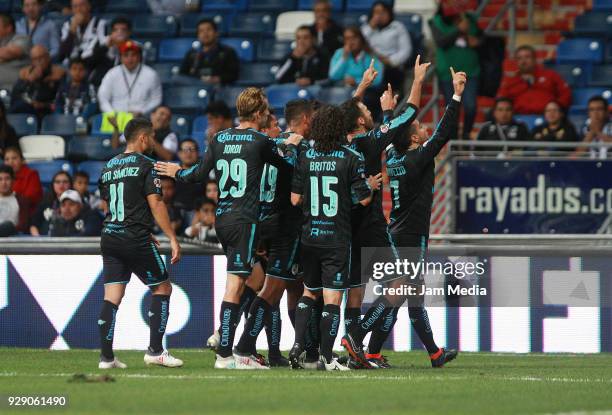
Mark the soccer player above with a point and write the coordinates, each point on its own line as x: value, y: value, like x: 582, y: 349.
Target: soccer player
x: 238, y: 156
x: 369, y: 223
x: 132, y: 190
x: 410, y: 166
x: 324, y: 182
x: 279, y: 234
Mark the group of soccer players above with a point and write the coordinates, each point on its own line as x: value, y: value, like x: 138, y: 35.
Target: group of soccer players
x: 294, y: 213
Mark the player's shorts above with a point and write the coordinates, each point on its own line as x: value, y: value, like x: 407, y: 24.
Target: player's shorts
x: 239, y: 242
x: 326, y: 267
x: 120, y: 259
x: 411, y: 247
x: 281, y: 241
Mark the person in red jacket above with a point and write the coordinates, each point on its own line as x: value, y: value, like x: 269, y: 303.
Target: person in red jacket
x: 534, y: 86
x: 27, y: 182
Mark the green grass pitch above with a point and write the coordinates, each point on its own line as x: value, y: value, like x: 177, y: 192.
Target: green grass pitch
x: 476, y: 383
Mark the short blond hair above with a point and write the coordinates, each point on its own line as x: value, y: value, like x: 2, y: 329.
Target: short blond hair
x: 250, y: 102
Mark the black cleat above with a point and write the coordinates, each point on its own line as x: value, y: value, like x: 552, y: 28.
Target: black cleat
x: 355, y: 351
x: 444, y: 356
x: 278, y: 361
x: 295, y: 355
x: 378, y: 361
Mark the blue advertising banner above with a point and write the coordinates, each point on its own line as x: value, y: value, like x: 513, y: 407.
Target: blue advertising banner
x: 527, y: 196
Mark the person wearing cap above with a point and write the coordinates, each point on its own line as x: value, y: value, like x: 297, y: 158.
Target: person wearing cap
x: 132, y: 86
x: 211, y: 62
x: 74, y: 218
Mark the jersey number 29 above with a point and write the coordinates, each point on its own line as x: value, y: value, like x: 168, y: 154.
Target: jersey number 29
x: 237, y: 170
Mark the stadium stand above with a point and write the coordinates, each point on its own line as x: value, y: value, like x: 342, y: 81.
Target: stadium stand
x: 24, y: 124
x: 90, y: 148
x: 42, y: 147
x: 46, y: 169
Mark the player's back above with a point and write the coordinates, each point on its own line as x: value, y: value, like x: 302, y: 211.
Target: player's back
x: 125, y: 182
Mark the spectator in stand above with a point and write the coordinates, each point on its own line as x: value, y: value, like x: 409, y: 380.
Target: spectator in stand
x: 188, y: 193
x: 328, y: 34
x: 107, y: 53
x: 305, y: 64
x: 81, y: 185
x: 36, y: 26
x: 13, y: 208
x: 27, y: 182
x: 271, y: 129
x: 203, y: 224
x: 132, y: 86
x: 390, y: 41
x: 73, y: 218
x: 212, y: 190
x: 556, y: 128
x: 81, y: 35
x: 8, y: 136
x: 503, y: 127
x: 13, y: 52
x: 50, y: 203
x: 168, y: 187
x: 219, y: 118
x: 534, y: 86
x: 213, y: 62
x: 350, y: 62
x: 76, y: 95
x: 457, y: 36
x: 597, y: 128
x: 38, y: 83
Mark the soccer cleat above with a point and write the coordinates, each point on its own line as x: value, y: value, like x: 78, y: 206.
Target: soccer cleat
x: 278, y: 361
x: 311, y: 363
x: 295, y: 356
x: 442, y: 357
x: 114, y: 364
x: 213, y: 341
x: 378, y: 361
x: 164, y: 359
x: 247, y: 361
x: 225, y: 362
x: 261, y: 359
x: 355, y: 350
x: 332, y: 365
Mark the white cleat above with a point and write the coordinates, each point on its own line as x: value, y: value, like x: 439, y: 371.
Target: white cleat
x: 164, y: 359
x: 213, y: 341
x: 115, y: 364
x: 333, y: 365
x: 225, y: 362
x: 248, y: 362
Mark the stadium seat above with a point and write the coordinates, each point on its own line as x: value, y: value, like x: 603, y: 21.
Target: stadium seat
x: 93, y: 168
x: 5, y: 97
x: 335, y: 95
x: 253, y: 24
x: 127, y: 6
x: 150, y: 49
x: 96, y: 124
x: 288, y: 22
x: 243, y: 47
x: 574, y: 74
x: 601, y: 75
x: 532, y: 121
x: 180, y: 124
x: 337, y: 5
x: 581, y: 96
x: 198, y: 131
x: 63, y: 124
x: 412, y: 21
x: 580, y: 50
x: 154, y: 26
x: 256, y: 74
x: 24, y: 124
x: 189, y: 23
x: 174, y: 50
x: 166, y: 71
x: 578, y: 121
x: 279, y: 95
x: 223, y: 5
x: 361, y: 5
x: 47, y: 169
x: 271, y: 50
x: 594, y: 23
x: 91, y: 148
x: 351, y: 19
x: 42, y: 147
x: 602, y: 4
x: 187, y: 99
x: 5, y: 6
x: 271, y: 5
x: 229, y: 94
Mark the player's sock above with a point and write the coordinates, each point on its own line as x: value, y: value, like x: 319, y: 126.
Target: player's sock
x: 303, y: 312
x: 158, y: 319
x: 247, y: 297
x: 352, y: 315
x: 291, y: 313
x: 229, y: 317
x: 370, y: 319
x: 330, y: 321
x: 381, y: 331
x: 258, y: 314
x: 313, y: 334
x: 106, y: 324
x: 273, y: 331
x: 420, y: 323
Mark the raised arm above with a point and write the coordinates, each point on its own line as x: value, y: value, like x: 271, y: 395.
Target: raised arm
x: 366, y: 81
x: 195, y: 174
x: 420, y: 70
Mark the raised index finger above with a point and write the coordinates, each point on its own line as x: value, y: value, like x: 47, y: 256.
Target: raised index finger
x: 452, y: 71
x: 371, y: 64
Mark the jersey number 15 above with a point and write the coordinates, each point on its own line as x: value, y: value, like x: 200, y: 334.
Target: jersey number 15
x: 330, y: 209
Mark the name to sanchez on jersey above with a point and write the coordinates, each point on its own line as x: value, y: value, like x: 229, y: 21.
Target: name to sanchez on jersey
x: 120, y: 173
